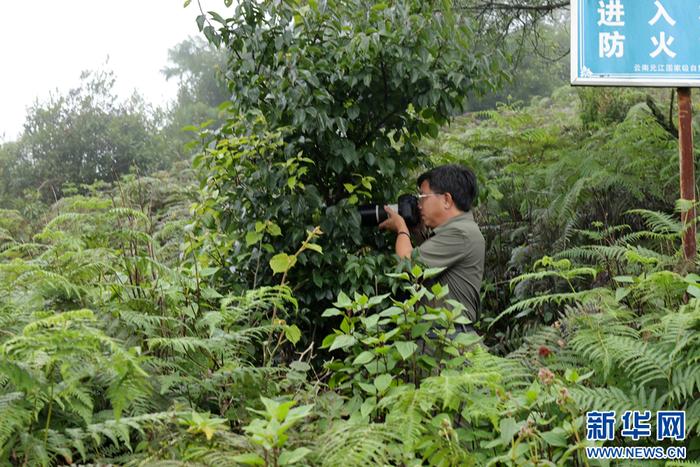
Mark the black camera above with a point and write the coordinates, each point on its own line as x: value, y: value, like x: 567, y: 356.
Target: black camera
x: 407, y: 207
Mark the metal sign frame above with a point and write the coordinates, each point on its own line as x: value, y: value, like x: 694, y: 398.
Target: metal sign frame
x: 612, y: 79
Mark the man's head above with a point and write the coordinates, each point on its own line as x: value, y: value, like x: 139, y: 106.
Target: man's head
x: 449, y: 191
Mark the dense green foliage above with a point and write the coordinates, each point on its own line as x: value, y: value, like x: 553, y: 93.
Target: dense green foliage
x: 89, y: 134
x: 83, y: 136
x: 329, y: 101
x: 162, y: 366
x: 198, y: 69
x: 231, y: 312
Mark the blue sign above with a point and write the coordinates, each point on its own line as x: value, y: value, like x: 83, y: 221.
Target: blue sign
x: 635, y: 42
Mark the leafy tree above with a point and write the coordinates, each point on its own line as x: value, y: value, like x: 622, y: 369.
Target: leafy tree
x: 539, y: 65
x: 7, y: 160
x: 198, y: 68
x: 86, y: 135
x: 328, y: 102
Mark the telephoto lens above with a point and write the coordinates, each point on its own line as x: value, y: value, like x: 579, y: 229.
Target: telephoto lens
x: 374, y: 214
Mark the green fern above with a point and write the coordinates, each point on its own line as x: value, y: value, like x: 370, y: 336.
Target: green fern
x: 357, y: 444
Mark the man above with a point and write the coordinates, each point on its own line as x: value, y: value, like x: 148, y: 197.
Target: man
x: 445, y: 202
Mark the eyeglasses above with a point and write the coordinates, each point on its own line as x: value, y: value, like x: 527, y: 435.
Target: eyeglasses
x: 421, y: 196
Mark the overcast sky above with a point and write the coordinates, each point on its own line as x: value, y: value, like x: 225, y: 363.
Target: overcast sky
x: 45, y: 44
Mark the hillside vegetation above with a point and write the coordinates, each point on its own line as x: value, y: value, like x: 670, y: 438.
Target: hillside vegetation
x: 230, y: 310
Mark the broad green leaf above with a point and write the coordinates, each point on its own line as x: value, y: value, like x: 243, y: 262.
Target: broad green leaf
x: 328, y: 340
x: 249, y: 459
x: 368, y: 388
x: 314, y: 247
x: 556, y: 437
x: 508, y: 429
x: 292, y: 457
x: 292, y: 333
x: 466, y: 339
x: 406, y: 348
x: 432, y: 272
x: 274, y: 229
x: 371, y: 321
x: 382, y: 382
x: 343, y: 301
x: 622, y: 292
x: 420, y: 329
x: 343, y: 341
x: 403, y: 275
x: 377, y: 300
x: 416, y: 271
x: 206, y: 272
x: 368, y: 406
x: 392, y: 311
x: 571, y: 375
x: 209, y: 293
x: 462, y: 320
x: 328, y: 312
x: 282, y: 262
x: 364, y: 357
x: 692, y: 277
x: 301, y: 367
x: 693, y: 290
x: 251, y: 238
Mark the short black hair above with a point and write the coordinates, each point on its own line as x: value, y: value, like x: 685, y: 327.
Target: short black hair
x: 458, y: 181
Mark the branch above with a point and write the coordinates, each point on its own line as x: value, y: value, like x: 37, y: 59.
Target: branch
x: 546, y: 8
x: 659, y: 116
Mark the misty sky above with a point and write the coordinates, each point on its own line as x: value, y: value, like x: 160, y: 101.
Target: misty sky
x: 45, y: 44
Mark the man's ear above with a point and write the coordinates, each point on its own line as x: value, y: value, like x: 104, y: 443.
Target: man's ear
x: 448, y: 200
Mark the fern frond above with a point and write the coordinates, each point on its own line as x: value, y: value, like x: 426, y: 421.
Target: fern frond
x: 128, y: 214
x: 357, y: 444
x: 453, y: 388
x: 637, y: 237
x: 51, y: 283
x: 594, y: 253
x: 409, y: 410
x: 684, y: 384
x: 692, y: 415
x: 13, y: 250
x: 74, y: 218
x: 512, y: 373
x: 567, y: 274
x: 179, y: 345
x: 659, y: 222
x: 612, y: 398
x: 528, y: 304
x: 16, y: 415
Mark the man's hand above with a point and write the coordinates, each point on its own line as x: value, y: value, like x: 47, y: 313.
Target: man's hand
x: 394, y: 221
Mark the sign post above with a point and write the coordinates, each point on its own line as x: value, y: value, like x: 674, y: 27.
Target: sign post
x: 643, y: 43
x: 687, y: 169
